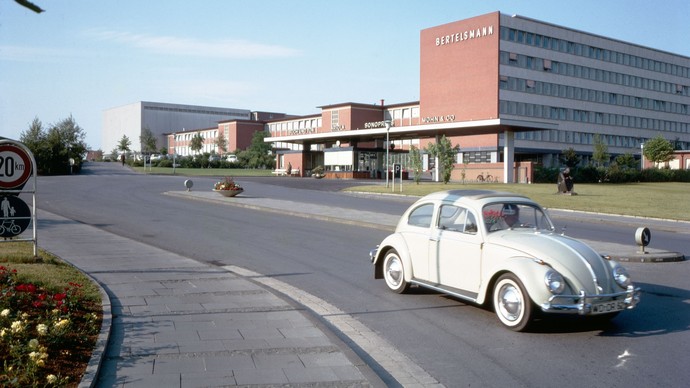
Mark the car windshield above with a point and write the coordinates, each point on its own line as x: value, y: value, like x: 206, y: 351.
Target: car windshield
x: 506, y: 215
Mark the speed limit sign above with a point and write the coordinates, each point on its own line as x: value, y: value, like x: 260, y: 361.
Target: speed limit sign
x: 15, y: 167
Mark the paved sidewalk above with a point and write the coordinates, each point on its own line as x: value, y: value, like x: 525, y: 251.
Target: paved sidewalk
x: 176, y: 322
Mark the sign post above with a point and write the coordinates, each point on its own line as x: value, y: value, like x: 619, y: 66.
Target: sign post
x: 397, y: 170
x: 642, y: 237
x: 17, y: 166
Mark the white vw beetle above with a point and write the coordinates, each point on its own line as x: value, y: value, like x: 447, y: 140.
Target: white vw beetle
x: 485, y: 246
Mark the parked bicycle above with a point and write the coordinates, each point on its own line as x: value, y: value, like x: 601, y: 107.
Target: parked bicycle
x: 488, y: 178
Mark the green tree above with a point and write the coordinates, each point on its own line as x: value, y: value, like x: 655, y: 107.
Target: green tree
x: 197, y: 143
x: 570, y: 158
x: 258, y: 154
x: 222, y: 144
x: 54, y: 149
x: 600, y: 155
x: 446, y: 154
x: 148, y: 141
x: 658, y: 150
x: 123, y: 144
x: 416, y: 162
x: 34, y: 139
x: 71, y: 137
x: 626, y: 161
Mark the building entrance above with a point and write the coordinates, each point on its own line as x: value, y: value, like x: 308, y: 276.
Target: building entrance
x: 369, y: 162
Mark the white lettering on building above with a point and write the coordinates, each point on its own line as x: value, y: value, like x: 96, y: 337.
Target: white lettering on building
x: 465, y: 35
x: 438, y: 119
x: 375, y: 124
x: 301, y: 131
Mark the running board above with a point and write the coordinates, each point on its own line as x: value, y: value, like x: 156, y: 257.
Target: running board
x: 456, y: 292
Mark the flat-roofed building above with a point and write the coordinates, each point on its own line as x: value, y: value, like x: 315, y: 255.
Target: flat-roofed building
x: 161, y: 119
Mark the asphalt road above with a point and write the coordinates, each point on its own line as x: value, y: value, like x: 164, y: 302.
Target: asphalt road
x: 457, y: 343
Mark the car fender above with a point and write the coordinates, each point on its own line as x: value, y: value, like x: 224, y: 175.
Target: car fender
x: 397, y: 242
x: 530, y: 272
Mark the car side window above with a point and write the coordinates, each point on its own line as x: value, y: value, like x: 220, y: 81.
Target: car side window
x: 471, y: 223
x: 456, y: 219
x: 421, y: 216
x: 451, y: 218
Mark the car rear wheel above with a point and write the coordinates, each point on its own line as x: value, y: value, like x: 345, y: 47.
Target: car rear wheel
x: 394, y: 272
x: 512, y: 303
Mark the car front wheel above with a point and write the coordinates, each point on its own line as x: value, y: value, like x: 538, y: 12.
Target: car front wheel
x: 512, y: 303
x: 394, y: 272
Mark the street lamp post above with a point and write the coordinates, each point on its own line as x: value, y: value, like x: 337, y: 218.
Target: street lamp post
x: 641, y: 156
x: 388, y: 146
x: 174, y: 147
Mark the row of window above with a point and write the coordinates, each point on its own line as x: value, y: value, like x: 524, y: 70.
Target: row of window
x: 598, y: 96
x: 577, y: 115
x: 277, y: 128
x: 477, y: 157
x: 402, y: 114
x: 584, y: 50
x: 577, y: 137
x: 198, y: 111
x: 204, y: 134
x: 584, y: 72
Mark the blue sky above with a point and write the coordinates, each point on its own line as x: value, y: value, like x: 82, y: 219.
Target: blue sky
x: 82, y: 57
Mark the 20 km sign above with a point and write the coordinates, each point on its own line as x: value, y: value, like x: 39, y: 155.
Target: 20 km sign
x: 15, y: 167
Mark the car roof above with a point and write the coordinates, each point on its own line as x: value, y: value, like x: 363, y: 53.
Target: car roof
x: 454, y: 195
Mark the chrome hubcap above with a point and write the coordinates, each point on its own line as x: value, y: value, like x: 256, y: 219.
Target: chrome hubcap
x: 510, y: 302
x: 394, y: 271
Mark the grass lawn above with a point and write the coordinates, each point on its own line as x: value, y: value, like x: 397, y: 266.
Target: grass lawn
x: 656, y: 200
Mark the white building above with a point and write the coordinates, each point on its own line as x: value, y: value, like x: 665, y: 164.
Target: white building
x: 161, y: 118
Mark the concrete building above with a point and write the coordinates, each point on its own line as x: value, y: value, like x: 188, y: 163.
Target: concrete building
x: 161, y: 118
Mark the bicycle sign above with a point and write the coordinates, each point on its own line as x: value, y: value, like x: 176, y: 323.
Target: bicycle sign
x: 15, y: 167
x: 15, y: 216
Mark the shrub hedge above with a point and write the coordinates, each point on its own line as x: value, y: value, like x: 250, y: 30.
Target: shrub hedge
x: 612, y: 174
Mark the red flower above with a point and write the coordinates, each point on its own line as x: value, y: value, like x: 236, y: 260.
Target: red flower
x: 26, y: 288
x: 59, y: 297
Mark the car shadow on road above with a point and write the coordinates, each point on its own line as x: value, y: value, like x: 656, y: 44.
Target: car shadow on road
x: 662, y: 310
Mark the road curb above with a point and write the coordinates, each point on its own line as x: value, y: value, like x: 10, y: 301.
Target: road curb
x: 647, y: 257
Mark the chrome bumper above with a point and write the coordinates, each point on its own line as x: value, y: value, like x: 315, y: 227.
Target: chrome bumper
x: 372, y: 254
x: 592, y: 304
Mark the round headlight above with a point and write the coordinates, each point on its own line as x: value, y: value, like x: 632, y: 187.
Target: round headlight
x: 621, y: 276
x: 554, y: 282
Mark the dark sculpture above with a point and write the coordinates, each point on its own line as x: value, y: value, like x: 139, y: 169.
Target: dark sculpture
x: 565, y: 182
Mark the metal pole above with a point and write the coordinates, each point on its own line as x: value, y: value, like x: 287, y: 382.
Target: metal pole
x: 401, y: 177
x: 174, y: 148
x: 642, y: 156
x: 388, y: 146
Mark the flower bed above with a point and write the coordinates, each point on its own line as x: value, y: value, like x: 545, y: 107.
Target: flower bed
x: 46, y: 334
